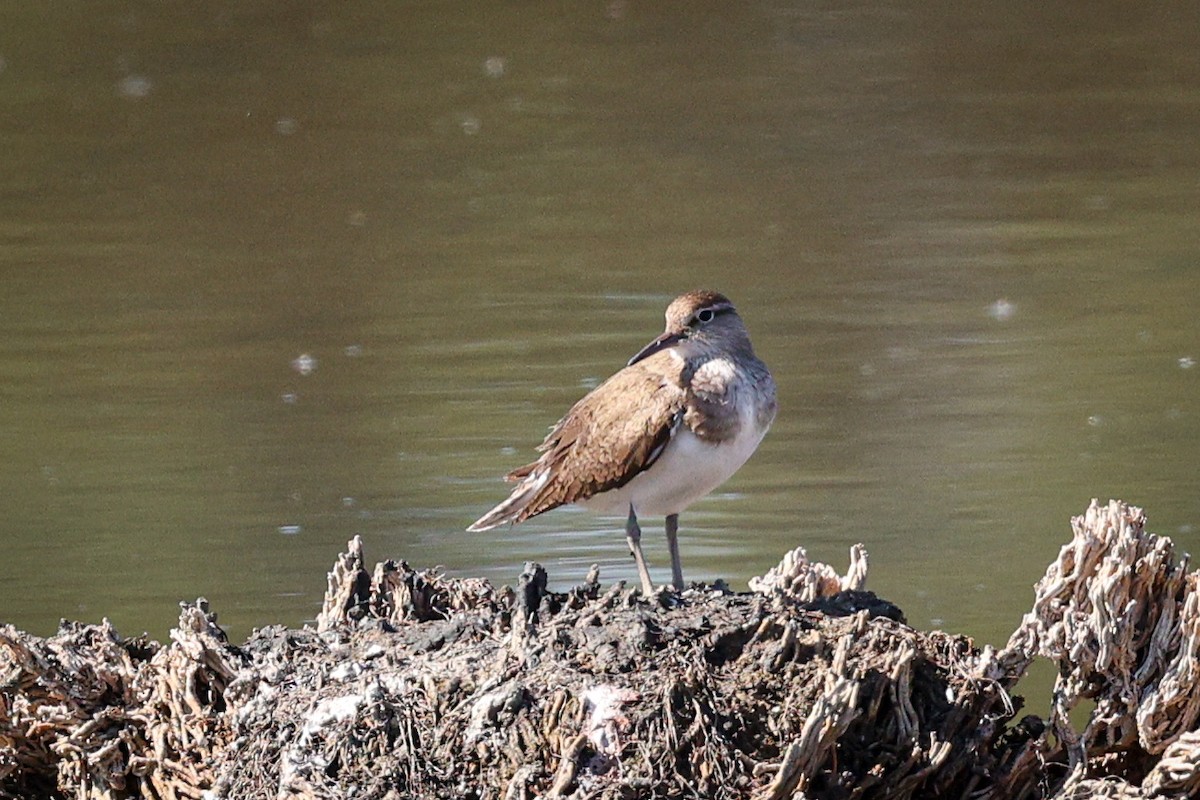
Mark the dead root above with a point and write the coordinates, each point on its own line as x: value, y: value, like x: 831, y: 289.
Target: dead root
x: 416, y: 685
x: 1120, y: 615
x: 86, y: 713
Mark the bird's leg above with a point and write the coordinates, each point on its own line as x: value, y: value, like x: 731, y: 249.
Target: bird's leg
x: 633, y: 535
x: 672, y: 527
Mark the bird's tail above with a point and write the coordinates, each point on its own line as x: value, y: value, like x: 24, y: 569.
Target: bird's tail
x: 515, y: 508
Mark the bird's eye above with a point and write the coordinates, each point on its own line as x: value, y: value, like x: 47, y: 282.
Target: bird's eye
x: 705, y: 315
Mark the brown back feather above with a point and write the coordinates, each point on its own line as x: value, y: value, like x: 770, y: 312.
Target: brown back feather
x: 608, y: 437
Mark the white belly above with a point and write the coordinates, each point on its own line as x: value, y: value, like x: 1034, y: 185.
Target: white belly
x: 688, y: 469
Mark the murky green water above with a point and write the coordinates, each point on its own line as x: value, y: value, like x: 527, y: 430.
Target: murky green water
x: 965, y: 240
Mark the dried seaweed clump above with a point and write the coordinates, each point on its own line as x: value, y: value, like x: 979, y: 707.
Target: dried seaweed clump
x: 804, y: 580
x: 532, y: 693
x: 413, y: 684
x: 85, y: 713
x: 1120, y: 614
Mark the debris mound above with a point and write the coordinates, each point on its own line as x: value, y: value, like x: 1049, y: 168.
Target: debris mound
x: 413, y: 684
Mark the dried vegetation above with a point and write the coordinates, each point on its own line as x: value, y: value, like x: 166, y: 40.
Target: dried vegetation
x: 415, y: 685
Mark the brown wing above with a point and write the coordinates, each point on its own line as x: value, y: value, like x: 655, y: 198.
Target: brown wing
x: 607, y: 438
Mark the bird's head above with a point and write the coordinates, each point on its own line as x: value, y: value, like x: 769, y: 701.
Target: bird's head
x: 696, y: 322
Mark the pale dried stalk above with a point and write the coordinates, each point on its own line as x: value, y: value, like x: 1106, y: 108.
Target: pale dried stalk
x: 797, y: 577
x: 1120, y: 614
x: 828, y: 720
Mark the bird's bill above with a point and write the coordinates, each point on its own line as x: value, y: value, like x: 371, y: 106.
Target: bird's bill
x: 668, y: 339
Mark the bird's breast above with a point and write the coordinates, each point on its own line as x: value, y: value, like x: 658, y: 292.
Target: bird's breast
x: 689, y: 468
x: 727, y: 401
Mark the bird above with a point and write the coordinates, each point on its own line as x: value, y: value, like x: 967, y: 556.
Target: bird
x: 667, y: 429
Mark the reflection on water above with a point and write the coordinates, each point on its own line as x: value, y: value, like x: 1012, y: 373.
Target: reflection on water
x: 278, y: 274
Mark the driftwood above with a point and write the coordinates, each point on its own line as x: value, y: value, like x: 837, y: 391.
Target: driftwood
x: 415, y: 685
